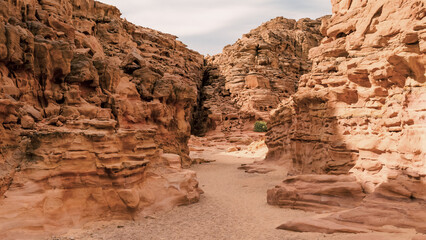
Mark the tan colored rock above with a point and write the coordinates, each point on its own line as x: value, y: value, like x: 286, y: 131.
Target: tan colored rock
x: 250, y: 78
x: 361, y: 111
x: 27, y: 122
x: 419, y: 237
x: 232, y: 149
x: 357, y: 111
x: 244, y: 140
x: 319, y: 193
x: 173, y: 160
x: 399, y: 203
x: 322, y: 226
x: 253, y: 81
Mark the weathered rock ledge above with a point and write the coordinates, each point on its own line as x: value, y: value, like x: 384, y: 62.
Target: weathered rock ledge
x: 94, y: 117
x: 252, y: 76
x: 359, y: 112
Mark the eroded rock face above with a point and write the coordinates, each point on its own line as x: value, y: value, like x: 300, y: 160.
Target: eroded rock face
x: 251, y: 77
x: 88, y: 105
x: 320, y: 193
x: 375, y: 127
x: 361, y: 111
x: 400, y: 203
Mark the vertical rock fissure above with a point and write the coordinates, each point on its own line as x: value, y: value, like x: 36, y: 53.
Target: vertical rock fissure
x: 251, y: 77
x: 200, y: 122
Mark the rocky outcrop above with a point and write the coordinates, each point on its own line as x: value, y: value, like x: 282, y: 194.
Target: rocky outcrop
x: 250, y: 78
x: 319, y: 193
x: 94, y: 116
x: 400, y: 203
x: 361, y: 111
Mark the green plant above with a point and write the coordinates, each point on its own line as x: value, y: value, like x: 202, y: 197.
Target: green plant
x: 260, y: 126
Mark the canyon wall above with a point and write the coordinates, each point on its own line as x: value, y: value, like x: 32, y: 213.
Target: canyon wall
x: 360, y: 111
x: 94, y: 116
x: 252, y: 76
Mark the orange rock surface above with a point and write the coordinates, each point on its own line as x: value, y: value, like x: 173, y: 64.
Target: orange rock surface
x: 94, y: 116
x: 361, y: 111
x: 250, y: 78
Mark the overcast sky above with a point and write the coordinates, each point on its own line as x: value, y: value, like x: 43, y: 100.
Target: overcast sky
x: 208, y: 25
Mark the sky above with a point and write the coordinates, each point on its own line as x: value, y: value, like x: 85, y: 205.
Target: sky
x: 207, y: 26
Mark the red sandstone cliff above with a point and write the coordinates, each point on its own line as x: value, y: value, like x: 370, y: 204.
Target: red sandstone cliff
x: 360, y: 111
x: 250, y: 78
x: 94, y: 116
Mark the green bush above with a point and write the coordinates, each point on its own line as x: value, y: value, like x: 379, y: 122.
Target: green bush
x: 260, y: 126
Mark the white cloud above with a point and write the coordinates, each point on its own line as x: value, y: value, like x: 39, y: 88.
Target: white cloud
x: 199, y: 22
x: 184, y: 17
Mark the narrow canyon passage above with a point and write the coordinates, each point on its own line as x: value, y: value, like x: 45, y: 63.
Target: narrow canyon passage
x: 232, y: 207
x: 96, y: 117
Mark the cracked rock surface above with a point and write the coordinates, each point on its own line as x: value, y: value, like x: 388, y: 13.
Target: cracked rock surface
x: 359, y: 112
x: 94, y: 116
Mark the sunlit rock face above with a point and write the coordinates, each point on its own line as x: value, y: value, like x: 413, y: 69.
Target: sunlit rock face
x: 362, y: 111
x: 250, y: 78
x: 94, y: 116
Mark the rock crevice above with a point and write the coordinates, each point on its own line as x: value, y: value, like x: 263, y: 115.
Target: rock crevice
x: 249, y: 78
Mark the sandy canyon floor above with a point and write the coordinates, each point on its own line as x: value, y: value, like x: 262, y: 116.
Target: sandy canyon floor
x: 232, y: 207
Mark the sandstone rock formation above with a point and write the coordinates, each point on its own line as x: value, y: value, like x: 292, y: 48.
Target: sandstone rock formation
x: 94, y: 116
x: 319, y: 193
x: 251, y: 77
x: 400, y: 203
x: 361, y: 111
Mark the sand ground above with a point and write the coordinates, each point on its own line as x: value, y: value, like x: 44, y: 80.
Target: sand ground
x: 232, y: 207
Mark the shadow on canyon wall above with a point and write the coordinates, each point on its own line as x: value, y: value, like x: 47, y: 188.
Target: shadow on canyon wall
x: 304, y: 135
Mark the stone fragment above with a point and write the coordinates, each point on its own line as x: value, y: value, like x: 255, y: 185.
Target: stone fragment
x: 27, y: 122
x: 173, y: 160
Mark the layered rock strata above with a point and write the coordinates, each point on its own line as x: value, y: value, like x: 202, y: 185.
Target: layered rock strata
x: 318, y: 193
x: 251, y: 77
x: 94, y: 116
x: 361, y: 111
x: 399, y: 203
